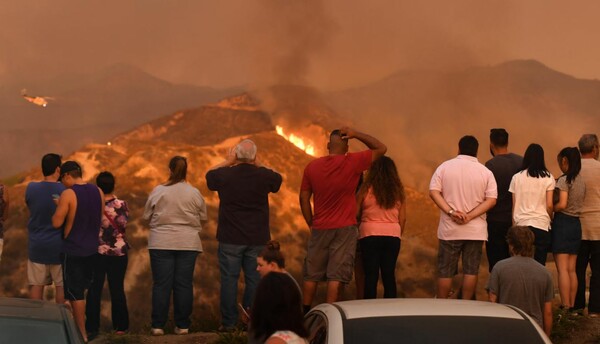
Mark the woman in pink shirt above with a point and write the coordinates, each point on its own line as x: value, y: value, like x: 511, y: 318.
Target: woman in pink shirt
x: 382, y: 214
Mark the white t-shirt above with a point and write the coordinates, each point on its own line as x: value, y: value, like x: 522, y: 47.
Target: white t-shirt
x: 530, y: 200
x: 289, y: 337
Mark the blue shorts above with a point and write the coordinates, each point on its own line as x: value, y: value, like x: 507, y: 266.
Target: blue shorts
x: 566, y: 234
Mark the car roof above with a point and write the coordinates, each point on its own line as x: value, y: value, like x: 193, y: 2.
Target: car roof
x: 30, y: 309
x: 423, y: 307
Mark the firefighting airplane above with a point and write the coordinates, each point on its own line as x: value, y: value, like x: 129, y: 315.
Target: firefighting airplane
x: 39, y: 101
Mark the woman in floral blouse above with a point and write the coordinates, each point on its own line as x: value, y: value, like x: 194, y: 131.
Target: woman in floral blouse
x: 110, y: 262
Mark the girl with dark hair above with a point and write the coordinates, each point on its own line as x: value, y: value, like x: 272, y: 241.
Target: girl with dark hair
x: 382, y: 213
x: 272, y: 260
x: 532, y: 190
x: 277, y: 312
x: 566, y: 227
x: 176, y: 211
x: 110, y: 262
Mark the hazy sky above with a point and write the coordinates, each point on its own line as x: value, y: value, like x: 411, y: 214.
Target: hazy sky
x: 328, y: 44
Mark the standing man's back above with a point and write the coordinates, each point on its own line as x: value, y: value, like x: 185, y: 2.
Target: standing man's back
x: 499, y: 219
x: 589, y: 250
x: 332, y: 180
x: 79, y: 213
x: 43, y: 265
x: 243, y: 185
x: 464, y: 190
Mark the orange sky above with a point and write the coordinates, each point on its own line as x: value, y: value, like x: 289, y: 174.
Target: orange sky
x: 329, y: 44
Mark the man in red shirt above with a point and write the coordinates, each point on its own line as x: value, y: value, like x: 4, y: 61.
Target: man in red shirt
x: 332, y: 180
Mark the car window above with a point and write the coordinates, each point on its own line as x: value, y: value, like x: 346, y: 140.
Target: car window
x: 440, y: 329
x: 316, y: 324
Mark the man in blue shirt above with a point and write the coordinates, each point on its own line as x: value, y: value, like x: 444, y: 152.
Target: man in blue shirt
x: 43, y: 265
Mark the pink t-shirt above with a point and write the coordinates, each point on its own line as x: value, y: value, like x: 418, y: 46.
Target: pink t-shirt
x: 333, y: 180
x: 464, y: 183
x: 378, y: 221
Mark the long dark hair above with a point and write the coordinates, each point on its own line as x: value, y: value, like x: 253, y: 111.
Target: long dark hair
x: 387, y: 186
x: 272, y: 253
x: 276, y: 307
x: 533, y: 162
x: 178, y: 168
x: 574, y: 159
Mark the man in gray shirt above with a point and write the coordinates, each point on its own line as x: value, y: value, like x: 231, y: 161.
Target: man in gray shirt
x: 522, y: 282
x: 499, y: 219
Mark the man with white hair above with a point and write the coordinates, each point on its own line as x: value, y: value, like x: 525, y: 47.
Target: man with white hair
x: 589, y: 251
x: 243, y: 229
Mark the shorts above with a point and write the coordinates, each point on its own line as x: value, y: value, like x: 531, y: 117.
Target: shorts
x: 566, y: 234
x: 330, y: 255
x: 44, y: 274
x: 78, y: 273
x: 450, y: 250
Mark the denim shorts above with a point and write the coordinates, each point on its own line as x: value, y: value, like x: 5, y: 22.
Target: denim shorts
x: 450, y: 251
x: 566, y: 234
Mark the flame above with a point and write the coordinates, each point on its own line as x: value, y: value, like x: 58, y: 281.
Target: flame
x: 297, y: 141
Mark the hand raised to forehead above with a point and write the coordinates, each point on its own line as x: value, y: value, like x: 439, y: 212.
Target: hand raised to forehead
x: 347, y: 133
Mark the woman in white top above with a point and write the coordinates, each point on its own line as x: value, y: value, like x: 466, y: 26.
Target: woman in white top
x: 532, y: 190
x: 176, y: 211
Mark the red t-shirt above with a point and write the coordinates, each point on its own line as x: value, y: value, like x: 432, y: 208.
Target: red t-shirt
x: 333, y: 180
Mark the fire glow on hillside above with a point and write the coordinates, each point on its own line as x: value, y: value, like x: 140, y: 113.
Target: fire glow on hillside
x: 297, y: 141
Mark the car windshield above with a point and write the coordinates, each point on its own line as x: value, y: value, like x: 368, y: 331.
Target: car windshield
x: 439, y: 329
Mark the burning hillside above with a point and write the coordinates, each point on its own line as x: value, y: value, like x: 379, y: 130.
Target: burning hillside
x: 139, y: 161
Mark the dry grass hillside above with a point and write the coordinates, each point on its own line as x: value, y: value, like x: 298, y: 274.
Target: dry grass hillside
x: 139, y: 161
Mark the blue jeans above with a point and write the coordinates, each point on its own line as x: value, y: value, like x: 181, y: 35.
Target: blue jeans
x: 233, y: 258
x: 172, y: 271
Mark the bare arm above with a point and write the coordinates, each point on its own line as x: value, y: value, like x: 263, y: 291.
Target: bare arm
x: 562, y: 201
x: 372, y: 143
x: 549, y: 205
x: 492, y: 297
x: 441, y: 203
x: 482, y: 208
x: 65, y: 204
x: 513, y: 210
x: 402, y: 217
x: 360, y: 197
x: 548, y: 318
x: 305, y: 206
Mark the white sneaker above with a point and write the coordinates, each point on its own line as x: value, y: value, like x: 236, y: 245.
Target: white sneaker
x: 157, y: 331
x: 181, y: 330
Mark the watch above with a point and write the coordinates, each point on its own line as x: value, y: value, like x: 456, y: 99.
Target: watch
x: 450, y: 212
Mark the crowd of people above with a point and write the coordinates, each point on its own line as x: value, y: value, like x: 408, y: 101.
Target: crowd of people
x: 355, y: 207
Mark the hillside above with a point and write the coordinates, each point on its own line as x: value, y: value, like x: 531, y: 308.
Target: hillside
x: 87, y: 109
x: 422, y: 114
x: 139, y: 161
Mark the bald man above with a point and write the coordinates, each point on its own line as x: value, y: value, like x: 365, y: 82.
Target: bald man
x: 332, y: 180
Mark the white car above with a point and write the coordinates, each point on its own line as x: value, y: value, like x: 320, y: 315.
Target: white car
x: 383, y: 321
